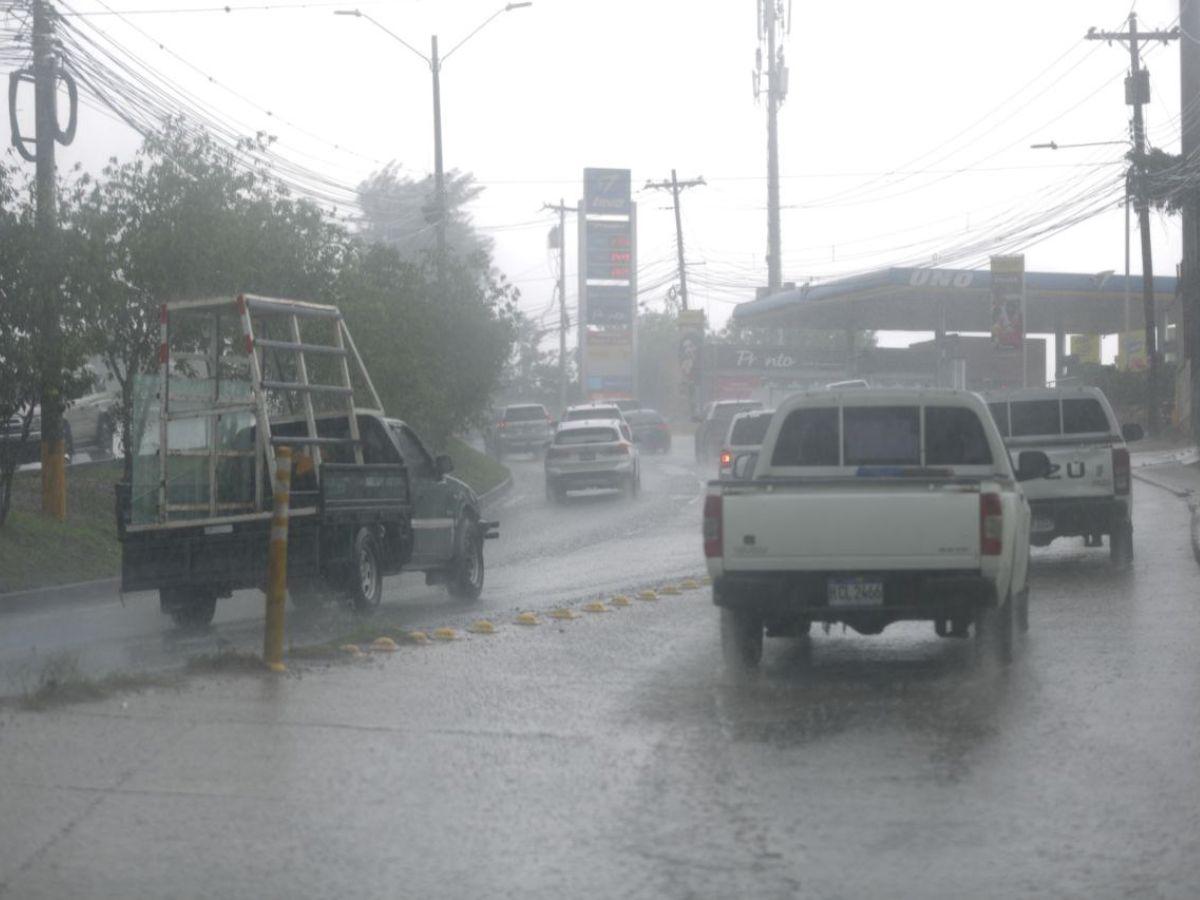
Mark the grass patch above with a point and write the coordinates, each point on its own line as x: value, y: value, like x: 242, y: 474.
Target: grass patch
x: 37, y: 551
x: 60, y: 683
x: 477, y: 469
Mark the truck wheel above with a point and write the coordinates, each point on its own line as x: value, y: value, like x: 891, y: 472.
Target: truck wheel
x: 994, y: 631
x: 466, y: 571
x: 365, y: 586
x: 1120, y: 546
x: 741, y: 638
x: 188, y: 607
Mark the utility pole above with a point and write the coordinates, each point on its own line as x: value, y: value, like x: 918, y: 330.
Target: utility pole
x: 770, y: 21
x: 45, y: 75
x: 1189, y: 73
x: 675, y: 186
x: 1137, y: 94
x: 562, y: 209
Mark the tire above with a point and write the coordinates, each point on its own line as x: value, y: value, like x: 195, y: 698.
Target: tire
x: 364, y: 587
x: 994, y: 632
x: 188, y: 607
x: 466, y: 570
x: 1120, y: 546
x: 1021, y: 612
x: 741, y: 639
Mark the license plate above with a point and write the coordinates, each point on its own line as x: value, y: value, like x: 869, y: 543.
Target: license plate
x: 1043, y: 523
x: 855, y: 591
x: 588, y: 455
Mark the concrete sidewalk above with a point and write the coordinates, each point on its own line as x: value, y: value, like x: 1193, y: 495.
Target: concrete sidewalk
x: 1178, y: 472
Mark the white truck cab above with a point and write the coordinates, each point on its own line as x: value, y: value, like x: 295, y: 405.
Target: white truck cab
x: 1087, y: 492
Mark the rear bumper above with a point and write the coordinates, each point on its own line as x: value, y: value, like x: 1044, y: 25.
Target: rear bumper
x: 523, y: 441
x: 917, y: 596
x: 1077, y: 516
x: 578, y: 480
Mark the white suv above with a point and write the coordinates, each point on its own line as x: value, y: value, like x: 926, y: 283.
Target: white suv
x: 591, y: 453
x: 1087, y: 492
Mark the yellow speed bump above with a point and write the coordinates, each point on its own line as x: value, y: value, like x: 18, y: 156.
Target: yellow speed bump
x: 563, y: 613
x: 384, y: 645
x: 669, y: 590
x: 527, y: 618
x: 352, y: 649
x: 418, y: 637
x: 595, y: 607
x: 483, y: 626
x: 620, y: 600
x: 445, y: 634
x: 647, y: 595
x: 706, y: 580
x: 689, y: 584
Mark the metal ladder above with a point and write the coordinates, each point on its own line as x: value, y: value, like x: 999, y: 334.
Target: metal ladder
x: 248, y: 309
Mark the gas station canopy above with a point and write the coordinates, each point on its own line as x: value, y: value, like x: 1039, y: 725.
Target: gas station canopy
x: 942, y: 300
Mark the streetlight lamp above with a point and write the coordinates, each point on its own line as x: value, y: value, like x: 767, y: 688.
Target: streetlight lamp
x: 435, y: 67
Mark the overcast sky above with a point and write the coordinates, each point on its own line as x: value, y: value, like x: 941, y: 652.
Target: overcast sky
x: 906, y: 130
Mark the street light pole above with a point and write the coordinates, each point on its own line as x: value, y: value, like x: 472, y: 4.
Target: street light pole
x: 435, y: 67
x: 439, y: 175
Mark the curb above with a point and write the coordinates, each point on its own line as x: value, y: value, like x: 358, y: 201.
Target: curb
x: 79, y: 593
x: 488, y: 497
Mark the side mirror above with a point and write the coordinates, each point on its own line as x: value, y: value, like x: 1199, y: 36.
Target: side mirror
x: 445, y: 465
x: 743, y: 466
x: 1032, y: 464
x: 1132, y: 432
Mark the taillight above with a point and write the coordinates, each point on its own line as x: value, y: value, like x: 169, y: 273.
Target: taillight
x: 726, y: 459
x: 991, y: 525
x: 1120, y: 464
x: 501, y: 424
x: 712, y: 525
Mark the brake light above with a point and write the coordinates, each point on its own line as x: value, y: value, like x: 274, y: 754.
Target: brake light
x: 991, y: 525
x: 726, y: 459
x: 501, y: 424
x: 712, y: 526
x: 1120, y: 464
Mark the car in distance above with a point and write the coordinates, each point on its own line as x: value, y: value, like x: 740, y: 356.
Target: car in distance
x: 869, y: 507
x: 714, y: 425
x: 650, y: 430
x: 591, y: 453
x: 1087, y: 492
x: 520, y: 428
x: 746, y: 433
x: 627, y: 404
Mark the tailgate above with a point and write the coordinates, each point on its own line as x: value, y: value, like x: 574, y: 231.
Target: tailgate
x: 852, y: 525
x: 1076, y: 470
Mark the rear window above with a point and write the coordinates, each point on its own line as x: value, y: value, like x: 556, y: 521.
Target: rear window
x: 954, y: 436
x: 1034, y: 417
x: 808, y: 437
x: 726, y: 412
x: 1000, y: 416
x: 643, y: 417
x: 524, y: 413
x: 749, y: 431
x: 1083, y: 415
x: 585, y: 436
x: 599, y: 412
x: 881, y: 436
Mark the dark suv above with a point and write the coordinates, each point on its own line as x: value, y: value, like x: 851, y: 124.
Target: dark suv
x: 714, y: 424
x: 520, y: 428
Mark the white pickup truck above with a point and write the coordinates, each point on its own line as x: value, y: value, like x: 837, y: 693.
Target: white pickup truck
x: 1087, y: 492
x: 868, y: 507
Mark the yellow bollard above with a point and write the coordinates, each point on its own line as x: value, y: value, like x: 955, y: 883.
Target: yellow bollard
x: 277, y: 563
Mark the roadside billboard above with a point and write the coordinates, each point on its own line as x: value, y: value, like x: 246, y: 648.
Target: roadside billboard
x: 607, y: 285
x: 1008, y: 301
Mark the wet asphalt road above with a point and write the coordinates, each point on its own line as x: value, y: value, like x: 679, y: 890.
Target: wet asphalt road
x: 610, y: 756
x: 598, y: 543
